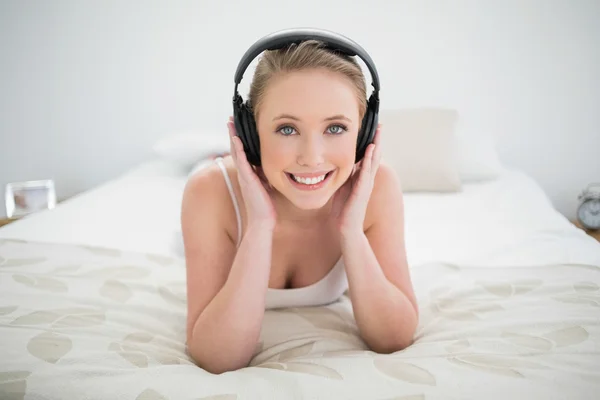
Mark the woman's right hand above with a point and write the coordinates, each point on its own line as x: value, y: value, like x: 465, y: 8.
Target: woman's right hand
x: 255, y: 189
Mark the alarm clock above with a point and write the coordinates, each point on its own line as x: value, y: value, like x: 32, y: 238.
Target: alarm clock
x: 588, y: 211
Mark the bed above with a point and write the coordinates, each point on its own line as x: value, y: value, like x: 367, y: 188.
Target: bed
x: 93, y: 305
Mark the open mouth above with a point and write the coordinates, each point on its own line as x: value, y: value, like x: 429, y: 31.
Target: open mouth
x: 311, y: 183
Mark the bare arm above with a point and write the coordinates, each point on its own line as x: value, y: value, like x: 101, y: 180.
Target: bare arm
x: 226, y: 290
x: 383, y: 298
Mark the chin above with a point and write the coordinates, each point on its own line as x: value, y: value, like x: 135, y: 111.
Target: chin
x: 317, y: 202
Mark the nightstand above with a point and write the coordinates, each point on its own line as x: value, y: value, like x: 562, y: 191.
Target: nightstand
x: 594, y: 234
x: 6, y: 221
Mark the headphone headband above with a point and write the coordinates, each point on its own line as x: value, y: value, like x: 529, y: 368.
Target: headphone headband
x: 283, y: 38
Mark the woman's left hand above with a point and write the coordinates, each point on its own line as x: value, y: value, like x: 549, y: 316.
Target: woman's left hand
x: 351, y: 200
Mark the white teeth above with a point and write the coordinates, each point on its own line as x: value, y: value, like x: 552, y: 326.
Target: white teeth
x: 308, y: 181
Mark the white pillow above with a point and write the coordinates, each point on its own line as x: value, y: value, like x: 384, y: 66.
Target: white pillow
x: 478, y: 158
x: 420, y: 144
x: 188, y: 148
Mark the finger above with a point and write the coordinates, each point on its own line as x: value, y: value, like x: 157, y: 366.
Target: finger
x: 377, y: 153
x: 232, y: 147
x: 231, y: 128
x: 377, y: 138
x: 368, y: 161
x: 261, y: 175
x: 364, y: 176
x: 359, y: 165
x: 239, y: 151
x: 242, y: 162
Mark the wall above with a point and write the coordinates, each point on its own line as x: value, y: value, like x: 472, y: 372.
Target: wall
x: 86, y: 89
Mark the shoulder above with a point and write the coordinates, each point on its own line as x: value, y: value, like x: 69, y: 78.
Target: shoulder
x: 206, y: 195
x: 386, y: 197
x: 198, y: 184
x: 209, y: 183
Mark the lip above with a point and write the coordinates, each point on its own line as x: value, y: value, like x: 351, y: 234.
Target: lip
x: 310, y: 174
x: 316, y: 186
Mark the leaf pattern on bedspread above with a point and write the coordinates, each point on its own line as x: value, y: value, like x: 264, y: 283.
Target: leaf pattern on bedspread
x: 304, y: 368
x: 49, y: 346
x: 459, y: 346
x: 63, y: 318
x: 584, y: 287
x: 497, y: 364
x: 533, y: 342
x: 568, y: 336
x: 65, y: 270
x: 296, y: 352
x: 102, y: 251
x: 464, y: 308
x: 512, y: 288
x: 583, y: 293
x: 21, y: 262
x: 409, y: 397
x: 115, y: 290
x: 142, y: 348
x: 547, y: 341
x: 8, y: 310
x: 13, y: 384
x: 161, y: 260
x: 150, y: 394
x: 173, y: 293
x: 220, y: 397
x: 118, y: 272
x: 323, y: 318
x: 41, y: 283
x: 399, y: 369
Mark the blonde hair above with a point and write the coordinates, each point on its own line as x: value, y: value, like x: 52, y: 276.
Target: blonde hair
x: 309, y: 54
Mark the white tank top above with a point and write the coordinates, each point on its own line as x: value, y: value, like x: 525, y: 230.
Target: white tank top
x: 325, y: 291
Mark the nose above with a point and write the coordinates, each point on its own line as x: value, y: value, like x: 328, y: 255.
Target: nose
x: 311, y: 150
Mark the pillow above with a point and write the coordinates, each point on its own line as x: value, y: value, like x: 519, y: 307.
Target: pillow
x: 420, y: 144
x: 478, y: 159
x: 205, y: 162
x: 188, y: 148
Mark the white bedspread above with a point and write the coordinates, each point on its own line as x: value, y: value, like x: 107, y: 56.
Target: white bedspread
x: 83, y: 322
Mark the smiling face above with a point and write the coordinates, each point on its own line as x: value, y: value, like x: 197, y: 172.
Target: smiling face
x: 308, y: 124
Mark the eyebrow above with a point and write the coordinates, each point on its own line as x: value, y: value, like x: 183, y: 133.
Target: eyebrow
x: 288, y: 116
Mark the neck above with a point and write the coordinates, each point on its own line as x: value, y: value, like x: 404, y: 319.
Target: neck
x: 287, y: 212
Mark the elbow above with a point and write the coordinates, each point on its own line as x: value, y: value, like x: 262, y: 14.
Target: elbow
x: 392, y: 345
x: 396, y: 339
x: 214, y: 359
x: 214, y: 364
x: 216, y: 368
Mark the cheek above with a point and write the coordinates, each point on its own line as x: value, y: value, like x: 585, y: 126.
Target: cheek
x: 343, y: 151
x: 275, y: 151
x: 274, y: 158
x: 348, y: 147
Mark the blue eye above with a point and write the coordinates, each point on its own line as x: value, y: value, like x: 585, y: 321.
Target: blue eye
x: 286, y: 130
x: 338, y: 129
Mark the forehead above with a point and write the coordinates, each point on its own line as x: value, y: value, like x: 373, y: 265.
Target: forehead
x: 311, y: 94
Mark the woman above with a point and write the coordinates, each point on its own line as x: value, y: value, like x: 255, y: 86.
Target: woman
x: 306, y: 225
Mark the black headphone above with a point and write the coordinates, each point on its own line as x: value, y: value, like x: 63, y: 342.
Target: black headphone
x: 245, y: 124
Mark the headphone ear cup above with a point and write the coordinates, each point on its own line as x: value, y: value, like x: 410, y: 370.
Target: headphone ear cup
x: 238, y: 119
x: 244, y: 130
x: 365, y: 134
x: 367, y: 131
x: 253, y: 149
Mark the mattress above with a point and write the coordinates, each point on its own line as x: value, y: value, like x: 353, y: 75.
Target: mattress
x: 93, y: 305
x: 503, y: 221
